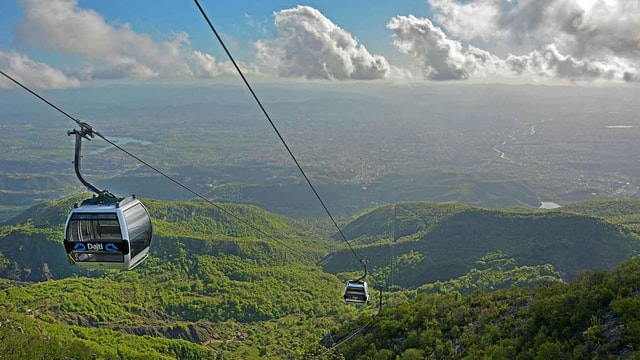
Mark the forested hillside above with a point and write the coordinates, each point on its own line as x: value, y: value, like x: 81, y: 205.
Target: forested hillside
x: 445, y: 241
x: 595, y: 317
x: 212, y: 275
x: 235, y: 281
x: 626, y: 212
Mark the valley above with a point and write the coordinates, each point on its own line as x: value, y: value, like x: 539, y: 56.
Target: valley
x: 215, y: 287
x: 440, y: 198
x: 362, y: 145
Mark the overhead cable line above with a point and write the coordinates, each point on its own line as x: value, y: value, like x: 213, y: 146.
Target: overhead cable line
x: 41, y: 98
x: 92, y: 132
x: 266, y: 114
x: 347, y: 338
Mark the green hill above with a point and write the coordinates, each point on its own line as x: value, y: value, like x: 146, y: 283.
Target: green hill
x: 212, y: 274
x: 595, y: 317
x: 216, y: 286
x: 19, y: 190
x: 625, y: 212
x: 604, y: 208
x: 446, y: 240
x: 31, y: 243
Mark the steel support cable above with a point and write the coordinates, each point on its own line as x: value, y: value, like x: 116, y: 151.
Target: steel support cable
x: 168, y: 177
x: 40, y: 97
x: 347, y: 338
x: 360, y: 329
x: 266, y: 114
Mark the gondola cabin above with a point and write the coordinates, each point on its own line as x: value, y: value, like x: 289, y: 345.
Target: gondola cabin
x: 356, y: 292
x: 108, y: 233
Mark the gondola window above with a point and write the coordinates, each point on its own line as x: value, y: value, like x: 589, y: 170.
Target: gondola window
x: 139, y: 227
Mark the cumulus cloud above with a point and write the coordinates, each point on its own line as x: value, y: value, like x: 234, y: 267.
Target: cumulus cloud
x: 466, y: 21
x: 307, y: 44
x: 112, y: 51
x: 32, y: 73
x: 208, y: 66
x: 568, y: 39
x: 549, y: 62
x: 535, y: 21
x: 571, y: 39
x: 582, y: 28
x: 612, y: 26
x: 440, y: 57
x: 116, y: 68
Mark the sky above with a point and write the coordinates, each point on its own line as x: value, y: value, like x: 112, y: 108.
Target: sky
x: 58, y: 44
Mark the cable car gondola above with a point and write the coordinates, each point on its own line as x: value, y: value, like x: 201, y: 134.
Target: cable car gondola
x: 356, y: 292
x: 106, y: 232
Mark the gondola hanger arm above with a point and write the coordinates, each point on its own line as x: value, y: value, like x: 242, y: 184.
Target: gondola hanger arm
x: 87, y: 132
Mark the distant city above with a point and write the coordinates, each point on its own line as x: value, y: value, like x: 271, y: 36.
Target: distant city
x: 562, y: 144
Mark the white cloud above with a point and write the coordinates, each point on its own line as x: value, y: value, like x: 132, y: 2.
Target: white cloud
x: 581, y: 28
x: 116, y: 68
x: 32, y: 73
x: 60, y: 25
x: 112, y: 51
x: 209, y: 67
x: 574, y: 40
x: 568, y: 39
x: 443, y: 58
x: 535, y: 22
x: 466, y: 21
x: 549, y: 62
x: 254, y: 24
x: 309, y: 45
x: 440, y: 57
x: 609, y: 27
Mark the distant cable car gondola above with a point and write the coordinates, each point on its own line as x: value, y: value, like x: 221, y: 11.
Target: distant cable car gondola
x: 106, y: 232
x: 356, y: 292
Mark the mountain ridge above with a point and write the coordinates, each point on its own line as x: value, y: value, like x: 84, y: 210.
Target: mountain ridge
x: 456, y: 236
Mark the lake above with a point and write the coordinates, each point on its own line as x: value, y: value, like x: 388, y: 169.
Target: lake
x: 120, y: 141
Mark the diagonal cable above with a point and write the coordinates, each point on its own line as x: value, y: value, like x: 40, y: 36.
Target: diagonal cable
x: 40, y: 97
x: 347, y: 338
x: 168, y: 177
x: 266, y: 114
